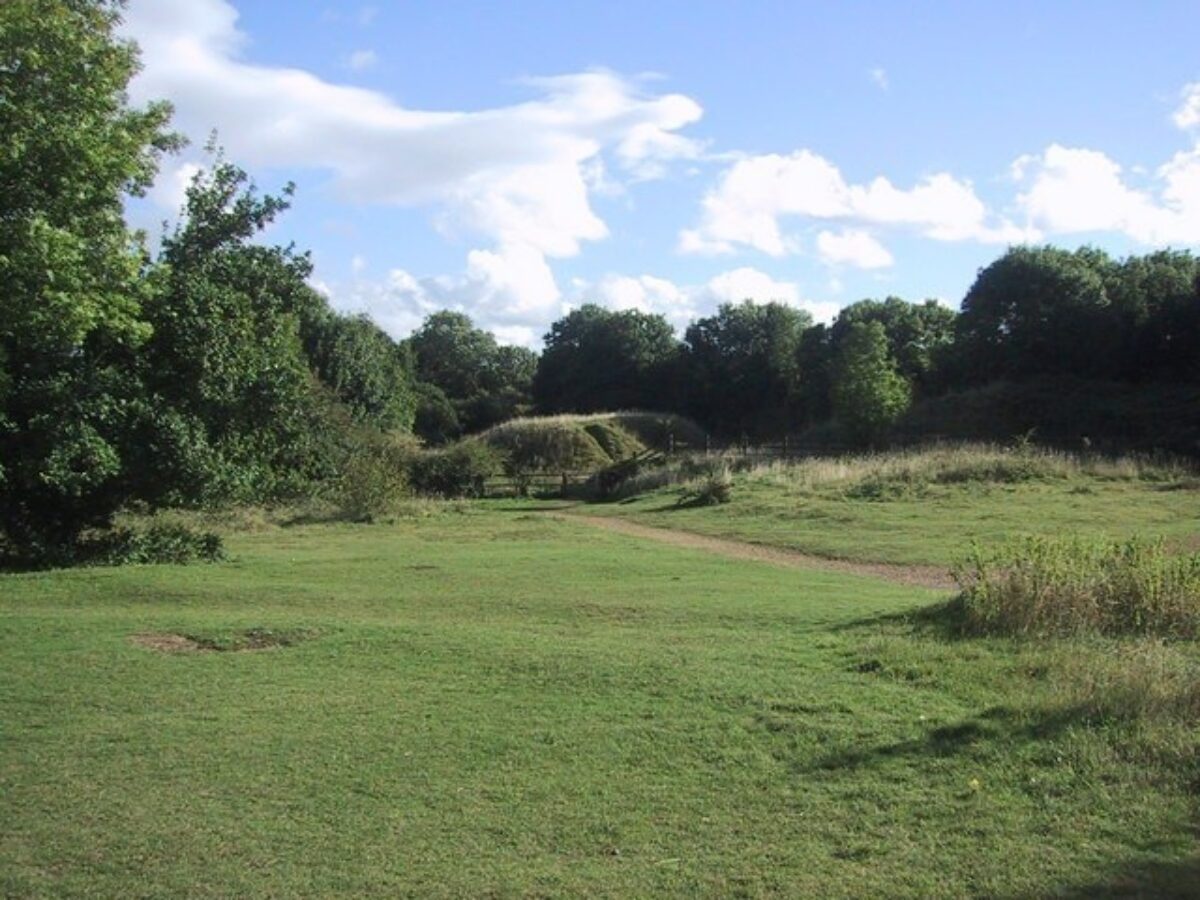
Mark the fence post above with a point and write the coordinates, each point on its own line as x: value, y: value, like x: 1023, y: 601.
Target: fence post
x: 670, y: 443
x: 787, y: 450
x: 707, y: 445
x: 564, y: 485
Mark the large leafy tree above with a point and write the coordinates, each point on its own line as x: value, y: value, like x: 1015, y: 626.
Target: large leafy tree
x: 366, y: 369
x: 225, y: 369
x: 1156, y: 298
x: 743, y: 367
x: 71, y: 285
x: 472, y: 381
x: 600, y: 359
x: 918, y: 335
x: 868, y: 392
x: 1039, y: 310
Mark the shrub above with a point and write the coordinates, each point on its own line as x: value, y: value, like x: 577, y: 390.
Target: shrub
x: 374, y: 477
x: 1060, y: 586
x: 457, y: 471
x: 713, y: 489
x: 161, y: 542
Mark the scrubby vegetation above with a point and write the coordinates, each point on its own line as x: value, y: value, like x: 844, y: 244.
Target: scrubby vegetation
x: 1065, y: 586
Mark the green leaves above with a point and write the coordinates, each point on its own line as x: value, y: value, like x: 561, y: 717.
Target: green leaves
x: 868, y: 393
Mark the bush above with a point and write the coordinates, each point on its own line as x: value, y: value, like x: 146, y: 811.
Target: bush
x: 162, y: 542
x: 374, y: 478
x: 457, y: 471
x: 713, y: 489
x: 1061, y: 586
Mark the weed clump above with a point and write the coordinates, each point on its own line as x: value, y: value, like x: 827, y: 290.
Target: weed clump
x: 1040, y: 586
x: 713, y: 489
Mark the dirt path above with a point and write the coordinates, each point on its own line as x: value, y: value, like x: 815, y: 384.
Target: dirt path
x: 919, y: 576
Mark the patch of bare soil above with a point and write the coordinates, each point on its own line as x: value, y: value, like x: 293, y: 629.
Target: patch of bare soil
x: 168, y: 643
x: 239, y: 642
x: 920, y: 576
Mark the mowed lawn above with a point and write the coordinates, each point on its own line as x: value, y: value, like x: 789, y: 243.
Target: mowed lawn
x: 493, y: 703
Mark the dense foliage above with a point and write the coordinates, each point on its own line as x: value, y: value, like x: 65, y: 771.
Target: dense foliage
x: 214, y: 372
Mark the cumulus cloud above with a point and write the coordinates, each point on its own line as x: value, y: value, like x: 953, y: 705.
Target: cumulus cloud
x: 1068, y: 190
x: 853, y: 247
x: 744, y: 209
x: 682, y: 304
x: 400, y: 302
x: 516, y: 176
x: 1187, y: 116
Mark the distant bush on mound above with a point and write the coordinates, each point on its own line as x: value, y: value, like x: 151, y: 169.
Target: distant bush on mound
x: 583, y: 443
x: 1039, y: 586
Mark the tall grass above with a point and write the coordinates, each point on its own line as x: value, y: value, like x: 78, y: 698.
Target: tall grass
x: 878, y: 476
x: 1040, y: 586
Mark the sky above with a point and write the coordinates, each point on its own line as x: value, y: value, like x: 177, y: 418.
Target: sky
x: 517, y: 160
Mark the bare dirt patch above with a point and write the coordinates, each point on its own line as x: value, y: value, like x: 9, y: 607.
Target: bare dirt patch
x: 920, y: 576
x: 168, y: 643
x: 245, y: 641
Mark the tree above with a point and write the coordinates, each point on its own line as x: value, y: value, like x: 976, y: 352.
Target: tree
x: 225, y: 369
x: 742, y: 367
x: 918, y: 334
x: 71, y: 149
x: 868, y: 393
x: 483, y: 382
x: 600, y: 359
x: 1039, y: 310
x: 1156, y: 298
x: 366, y: 369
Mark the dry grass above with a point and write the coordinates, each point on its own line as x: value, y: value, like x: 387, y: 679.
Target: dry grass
x: 1041, y: 586
x: 961, y: 463
x: 908, y: 472
x: 1131, y: 680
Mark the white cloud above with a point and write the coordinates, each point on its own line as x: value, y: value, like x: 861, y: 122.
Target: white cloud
x: 518, y: 176
x: 361, y: 60
x: 880, y: 77
x: 1187, y: 116
x: 684, y: 304
x: 170, y: 189
x: 1072, y: 190
x: 853, y: 247
x: 756, y: 192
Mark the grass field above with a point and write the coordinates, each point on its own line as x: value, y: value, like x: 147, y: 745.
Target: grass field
x: 492, y: 703
x: 927, y: 506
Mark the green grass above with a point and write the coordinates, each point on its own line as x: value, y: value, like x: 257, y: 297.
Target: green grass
x: 927, y: 506
x: 491, y: 703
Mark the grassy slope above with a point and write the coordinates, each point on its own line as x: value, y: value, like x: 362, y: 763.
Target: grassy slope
x: 933, y: 525
x: 502, y: 705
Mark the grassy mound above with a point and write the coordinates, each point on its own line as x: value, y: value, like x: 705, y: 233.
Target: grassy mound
x: 584, y: 443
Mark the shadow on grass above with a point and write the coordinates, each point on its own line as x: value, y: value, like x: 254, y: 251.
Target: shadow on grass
x: 1160, y: 879
x: 944, y: 620
x: 1000, y: 725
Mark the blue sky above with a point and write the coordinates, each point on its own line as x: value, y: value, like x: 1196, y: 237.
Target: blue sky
x: 515, y: 160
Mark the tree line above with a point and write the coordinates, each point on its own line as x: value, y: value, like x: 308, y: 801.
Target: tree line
x: 210, y: 371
